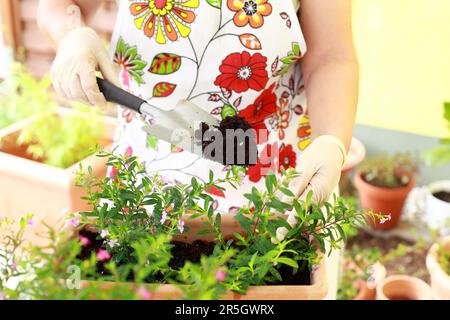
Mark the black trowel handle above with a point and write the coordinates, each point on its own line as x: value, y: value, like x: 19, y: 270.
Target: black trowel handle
x: 117, y: 95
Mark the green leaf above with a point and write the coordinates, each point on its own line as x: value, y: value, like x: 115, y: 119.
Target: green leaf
x: 215, y: 3
x: 288, y: 262
x: 205, y: 232
x: 278, y: 205
x: 165, y: 63
x: 287, y: 192
x: 341, y: 232
x: 218, y: 221
x: 228, y: 111
x: 296, y: 48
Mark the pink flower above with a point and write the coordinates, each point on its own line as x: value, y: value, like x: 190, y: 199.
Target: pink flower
x: 14, y: 265
x: 104, y: 233
x: 103, y: 255
x: 129, y: 152
x: 163, y: 217
x: 74, y: 222
x: 221, y: 275
x: 181, y: 226
x: 385, y: 219
x: 30, y: 222
x: 145, y: 294
x: 84, y: 241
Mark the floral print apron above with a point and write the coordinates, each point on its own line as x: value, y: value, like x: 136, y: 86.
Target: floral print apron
x: 227, y: 56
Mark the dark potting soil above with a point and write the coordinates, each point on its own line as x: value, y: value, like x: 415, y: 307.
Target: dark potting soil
x: 183, y: 252
x: 249, y: 145
x: 380, y: 184
x: 443, y: 195
x: 411, y: 263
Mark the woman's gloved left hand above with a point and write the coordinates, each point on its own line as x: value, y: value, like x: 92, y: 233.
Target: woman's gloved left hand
x: 320, y: 170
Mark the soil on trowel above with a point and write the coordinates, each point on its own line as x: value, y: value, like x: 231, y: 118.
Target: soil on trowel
x: 249, y: 146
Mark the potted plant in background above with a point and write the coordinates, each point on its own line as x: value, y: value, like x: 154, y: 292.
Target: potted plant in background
x: 148, y: 238
x: 33, y: 95
x: 438, y: 265
x: 39, y: 153
x: 383, y: 183
x: 362, y: 271
x: 403, y: 287
x: 438, y: 196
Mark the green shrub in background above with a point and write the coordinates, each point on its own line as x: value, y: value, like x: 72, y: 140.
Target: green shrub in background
x: 62, y: 141
x: 389, y: 171
x: 440, y: 155
x: 56, y: 140
x: 22, y: 95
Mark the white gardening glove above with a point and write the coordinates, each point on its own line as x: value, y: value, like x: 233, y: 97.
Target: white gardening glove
x: 80, y: 54
x: 320, y: 170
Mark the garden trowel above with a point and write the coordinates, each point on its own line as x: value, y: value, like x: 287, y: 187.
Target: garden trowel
x: 177, y: 126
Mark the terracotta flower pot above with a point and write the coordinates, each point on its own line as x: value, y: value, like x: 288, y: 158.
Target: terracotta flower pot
x: 440, y: 280
x: 368, y: 289
x: 365, y: 293
x: 31, y: 187
x: 402, y: 287
x: 386, y: 201
x: 316, y: 291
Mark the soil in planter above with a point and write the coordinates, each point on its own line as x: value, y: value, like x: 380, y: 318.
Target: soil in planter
x: 249, y: 146
x: 443, y: 195
x: 399, y: 183
x: 183, y: 252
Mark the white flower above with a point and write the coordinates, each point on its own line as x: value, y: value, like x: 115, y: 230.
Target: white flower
x: 104, y: 233
x: 113, y: 243
x: 385, y: 219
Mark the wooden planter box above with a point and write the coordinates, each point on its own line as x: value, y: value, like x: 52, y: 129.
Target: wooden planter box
x: 31, y: 187
x: 316, y: 291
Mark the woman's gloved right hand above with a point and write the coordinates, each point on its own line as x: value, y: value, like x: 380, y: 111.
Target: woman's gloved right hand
x: 80, y: 54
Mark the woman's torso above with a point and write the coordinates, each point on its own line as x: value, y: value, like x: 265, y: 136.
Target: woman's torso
x: 238, y: 58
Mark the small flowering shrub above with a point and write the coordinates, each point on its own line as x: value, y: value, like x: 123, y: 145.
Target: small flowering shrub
x: 357, y: 271
x: 389, y: 171
x: 130, y: 236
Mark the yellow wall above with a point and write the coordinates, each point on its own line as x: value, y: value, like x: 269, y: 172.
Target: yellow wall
x: 404, y: 52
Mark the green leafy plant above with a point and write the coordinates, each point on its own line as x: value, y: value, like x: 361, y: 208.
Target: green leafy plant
x: 22, y: 95
x: 129, y: 236
x: 63, y: 140
x: 389, y: 171
x: 356, y: 270
x: 444, y: 258
x: 11, y: 240
x: 441, y: 154
x: 56, y: 140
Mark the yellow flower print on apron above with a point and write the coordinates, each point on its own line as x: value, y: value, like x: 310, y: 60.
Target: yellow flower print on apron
x: 230, y: 57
